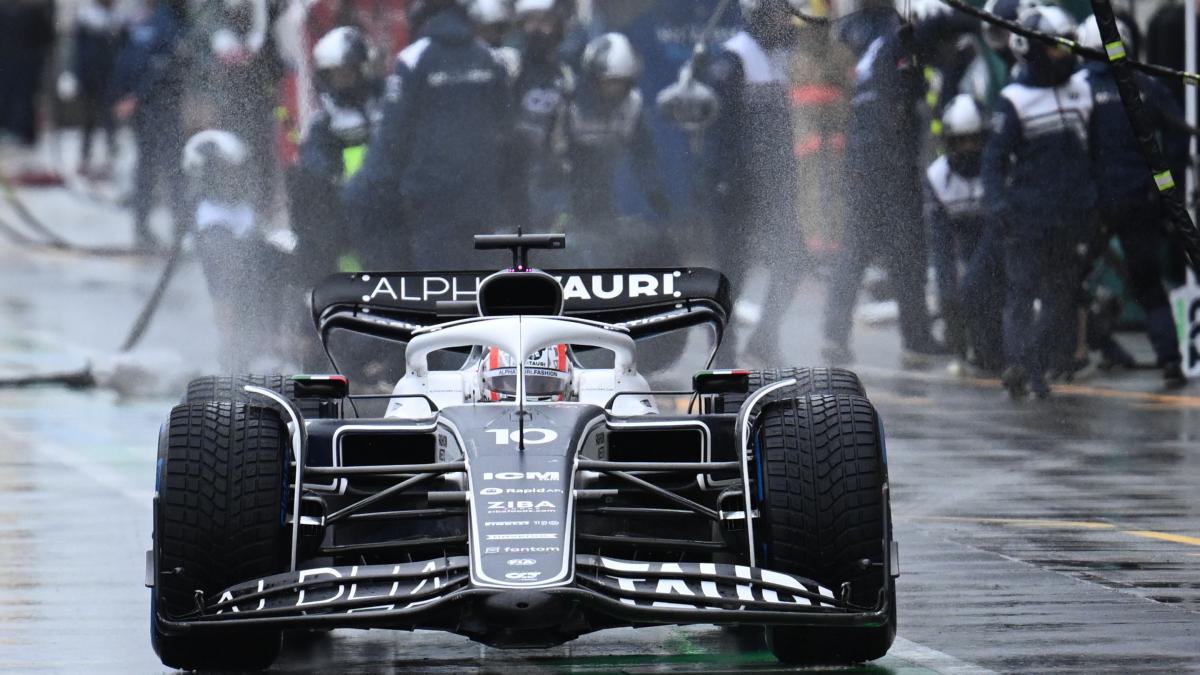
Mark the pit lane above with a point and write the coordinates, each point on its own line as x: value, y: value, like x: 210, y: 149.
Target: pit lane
x: 1058, y: 537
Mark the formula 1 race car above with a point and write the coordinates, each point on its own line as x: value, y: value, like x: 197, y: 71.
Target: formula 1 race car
x: 534, y: 490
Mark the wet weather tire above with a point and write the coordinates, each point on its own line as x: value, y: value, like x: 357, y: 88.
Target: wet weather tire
x: 825, y: 509
x: 218, y: 521
x: 808, y: 381
x: 226, y: 388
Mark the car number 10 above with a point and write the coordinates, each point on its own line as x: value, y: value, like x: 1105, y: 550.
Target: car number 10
x: 533, y: 435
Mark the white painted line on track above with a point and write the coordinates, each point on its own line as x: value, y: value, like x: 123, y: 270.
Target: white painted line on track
x: 98, y: 472
x: 930, y: 658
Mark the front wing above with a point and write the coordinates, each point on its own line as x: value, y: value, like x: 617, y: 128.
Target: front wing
x: 604, y: 592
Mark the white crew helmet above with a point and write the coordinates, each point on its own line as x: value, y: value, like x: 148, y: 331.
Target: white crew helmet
x: 527, y: 6
x: 343, y: 46
x: 611, y: 57
x: 751, y: 6
x: 1089, y: 33
x: 962, y: 117
x: 840, y: 9
x: 1046, y: 19
x: 213, y: 149
x: 995, y: 36
x: 490, y: 12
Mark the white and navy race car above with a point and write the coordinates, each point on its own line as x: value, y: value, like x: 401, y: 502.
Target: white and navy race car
x: 535, y: 489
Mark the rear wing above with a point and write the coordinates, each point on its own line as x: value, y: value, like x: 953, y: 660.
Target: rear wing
x: 392, y: 305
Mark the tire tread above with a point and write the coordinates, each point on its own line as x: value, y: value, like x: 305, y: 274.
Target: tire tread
x: 219, y: 520
x: 229, y: 388
x: 824, y: 476
x: 808, y: 381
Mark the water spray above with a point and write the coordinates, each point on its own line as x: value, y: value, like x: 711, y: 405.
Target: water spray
x: 688, y: 102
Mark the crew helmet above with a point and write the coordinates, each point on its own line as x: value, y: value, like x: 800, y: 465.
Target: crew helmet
x: 213, y: 150
x: 1088, y: 34
x: 995, y: 36
x: 528, y: 6
x: 1044, y: 19
x: 490, y: 12
x: 611, y: 57
x: 345, y: 46
x: 963, y: 117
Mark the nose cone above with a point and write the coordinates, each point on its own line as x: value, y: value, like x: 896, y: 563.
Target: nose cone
x: 523, y: 610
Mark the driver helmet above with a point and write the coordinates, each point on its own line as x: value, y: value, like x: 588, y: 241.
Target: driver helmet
x: 547, y: 374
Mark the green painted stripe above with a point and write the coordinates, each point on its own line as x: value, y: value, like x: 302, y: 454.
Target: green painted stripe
x: 1116, y: 50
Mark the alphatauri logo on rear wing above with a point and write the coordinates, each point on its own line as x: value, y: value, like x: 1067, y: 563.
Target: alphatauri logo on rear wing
x: 457, y: 288
x: 645, y: 300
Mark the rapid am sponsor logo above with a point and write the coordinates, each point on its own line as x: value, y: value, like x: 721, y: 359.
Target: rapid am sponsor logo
x: 521, y: 562
x: 527, y: 535
x: 723, y: 582
x: 575, y: 287
x: 491, y: 491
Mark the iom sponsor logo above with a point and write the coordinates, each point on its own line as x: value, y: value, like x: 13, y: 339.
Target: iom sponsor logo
x: 521, y: 475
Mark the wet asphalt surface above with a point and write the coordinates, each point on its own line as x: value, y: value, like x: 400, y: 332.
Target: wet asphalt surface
x: 1038, y: 537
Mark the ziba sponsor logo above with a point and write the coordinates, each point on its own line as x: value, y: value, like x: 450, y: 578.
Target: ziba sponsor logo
x: 522, y: 562
x: 519, y: 505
